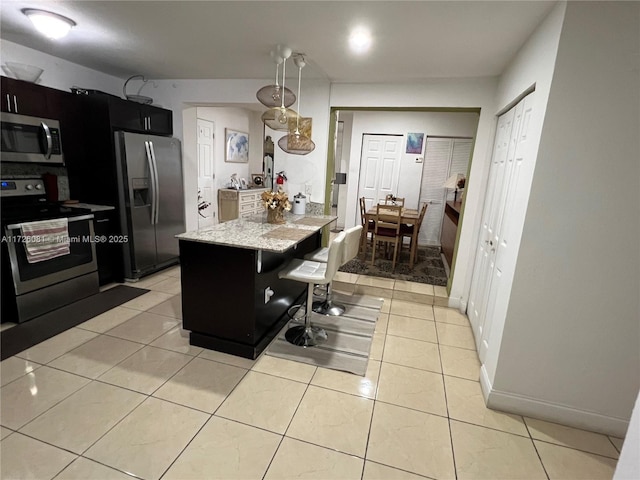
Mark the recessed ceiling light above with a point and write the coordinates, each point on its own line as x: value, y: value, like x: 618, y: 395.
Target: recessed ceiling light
x: 50, y: 24
x: 360, y: 40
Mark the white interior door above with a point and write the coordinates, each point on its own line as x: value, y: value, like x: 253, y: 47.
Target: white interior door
x: 494, y: 252
x: 206, y: 175
x: 444, y: 156
x: 379, y: 167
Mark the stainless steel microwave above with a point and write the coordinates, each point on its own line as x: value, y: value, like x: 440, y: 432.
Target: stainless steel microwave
x: 30, y: 139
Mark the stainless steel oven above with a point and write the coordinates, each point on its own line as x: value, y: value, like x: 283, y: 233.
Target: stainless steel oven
x: 32, y: 289
x: 30, y: 139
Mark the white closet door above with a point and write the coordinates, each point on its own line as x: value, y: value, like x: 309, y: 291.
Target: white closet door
x: 443, y: 157
x: 496, y: 252
x: 460, y: 155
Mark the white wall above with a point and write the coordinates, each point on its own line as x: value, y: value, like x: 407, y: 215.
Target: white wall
x: 400, y: 123
x: 570, y: 349
x: 533, y: 65
x: 307, y: 170
x: 628, y: 467
x: 447, y: 93
x: 59, y: 73
x: 179, y: 95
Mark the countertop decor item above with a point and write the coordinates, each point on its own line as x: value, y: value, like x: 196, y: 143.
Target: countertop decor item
x: 276, y: 203
x: 136, y: 98
x: 22, y: 71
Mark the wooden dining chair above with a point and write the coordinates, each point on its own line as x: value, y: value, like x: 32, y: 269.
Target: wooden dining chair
x: 408, y: 231
x: 390, y: 199
x: 367, y: 230
x: 387, y: 230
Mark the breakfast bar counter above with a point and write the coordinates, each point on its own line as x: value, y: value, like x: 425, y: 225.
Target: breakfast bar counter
x: 232, y: 298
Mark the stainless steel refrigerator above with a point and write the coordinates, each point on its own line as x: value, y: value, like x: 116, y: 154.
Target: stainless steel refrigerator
x: 150, y: 188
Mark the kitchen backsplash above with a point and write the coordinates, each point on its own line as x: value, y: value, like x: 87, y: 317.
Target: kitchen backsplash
x: 22, y: 170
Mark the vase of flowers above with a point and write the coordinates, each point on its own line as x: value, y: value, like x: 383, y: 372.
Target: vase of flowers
x: 276, y: 204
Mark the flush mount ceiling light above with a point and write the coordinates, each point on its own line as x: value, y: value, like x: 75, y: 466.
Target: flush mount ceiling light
x: 277, y: 118
x: 360, y: 40
x: 50, y: 24
x: 269, y: 95
x: 295, y: 142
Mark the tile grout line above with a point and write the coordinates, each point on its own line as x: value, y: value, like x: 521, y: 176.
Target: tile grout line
x: 284, y: 434
x: 444, y: 388
x: 211, y: 415
x: 373, y: 411
x: 535, y: 448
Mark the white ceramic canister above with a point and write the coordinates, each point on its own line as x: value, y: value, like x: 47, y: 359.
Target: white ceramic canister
x: 299, y: 204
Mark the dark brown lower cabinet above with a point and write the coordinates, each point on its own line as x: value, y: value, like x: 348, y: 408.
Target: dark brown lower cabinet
x: 223, y: 295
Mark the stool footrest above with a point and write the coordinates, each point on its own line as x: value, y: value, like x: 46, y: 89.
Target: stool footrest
x: 306, y: 336
x: 329, y: 308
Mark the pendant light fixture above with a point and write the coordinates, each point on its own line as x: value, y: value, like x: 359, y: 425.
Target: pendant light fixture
x: 295, y: 142
x: 269, y: 95
x: 277, y: 118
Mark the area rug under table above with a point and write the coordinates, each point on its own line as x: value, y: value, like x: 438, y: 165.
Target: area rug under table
x: 349, y: 336
x: 427, y: 269
x: 25, y: 335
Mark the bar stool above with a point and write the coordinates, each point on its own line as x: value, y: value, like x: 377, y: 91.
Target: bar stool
x: 312, y: 273
x: 349, y: 252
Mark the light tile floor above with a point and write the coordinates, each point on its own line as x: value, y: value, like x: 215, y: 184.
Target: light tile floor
x: 124, y: 393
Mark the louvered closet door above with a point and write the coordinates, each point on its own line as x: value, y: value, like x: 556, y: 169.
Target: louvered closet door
x: 443, y: 157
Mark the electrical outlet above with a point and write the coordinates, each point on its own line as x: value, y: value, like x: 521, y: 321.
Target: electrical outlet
x: 307, y: 189
x: 268, y: 293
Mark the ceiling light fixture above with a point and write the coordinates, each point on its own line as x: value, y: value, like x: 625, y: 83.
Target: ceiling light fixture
x: 269, y: 95
x: 360, y: 40
x: 277, y: 118
x: 295, y: 142
x: 50, y: 24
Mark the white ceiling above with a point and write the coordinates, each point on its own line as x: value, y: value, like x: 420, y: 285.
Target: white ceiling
x: 232, y: 39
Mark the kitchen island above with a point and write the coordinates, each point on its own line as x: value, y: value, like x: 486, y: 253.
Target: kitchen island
x: 232, y: 298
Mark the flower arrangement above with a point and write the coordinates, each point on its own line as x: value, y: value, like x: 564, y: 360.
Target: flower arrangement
x: 461, y: 183
x: 276, y: 203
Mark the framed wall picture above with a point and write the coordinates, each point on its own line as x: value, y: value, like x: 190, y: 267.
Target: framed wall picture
x: 257, y: 180
x: 237, y: 146
x: 414, y: 142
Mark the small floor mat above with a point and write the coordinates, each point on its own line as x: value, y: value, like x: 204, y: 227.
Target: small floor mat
x: 25, y: 335
x: 349, y: 337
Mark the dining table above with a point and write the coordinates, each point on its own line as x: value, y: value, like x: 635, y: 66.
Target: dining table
x: 409, y: 216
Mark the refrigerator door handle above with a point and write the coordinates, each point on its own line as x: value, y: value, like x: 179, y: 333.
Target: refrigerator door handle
x: 154, y: 193
x: 157, y: 185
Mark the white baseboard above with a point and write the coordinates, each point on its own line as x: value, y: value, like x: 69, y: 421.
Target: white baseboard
x: 552, y: 412
x: 454, y: 303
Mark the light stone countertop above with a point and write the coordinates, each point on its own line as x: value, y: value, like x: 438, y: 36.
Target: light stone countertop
x: 91, y: 206
x: 249, y: 232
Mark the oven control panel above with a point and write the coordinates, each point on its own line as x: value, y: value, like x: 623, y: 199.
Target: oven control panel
x: 21, y: 186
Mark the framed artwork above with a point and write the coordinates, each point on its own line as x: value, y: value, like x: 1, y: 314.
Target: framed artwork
x: 414, y: 142
x: 237, y: 146
x: 257, y: 179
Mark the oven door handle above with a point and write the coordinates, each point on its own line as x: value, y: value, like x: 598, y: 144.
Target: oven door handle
x: 152, y: 174
x: 47, y: 134
x: 15, y: 226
